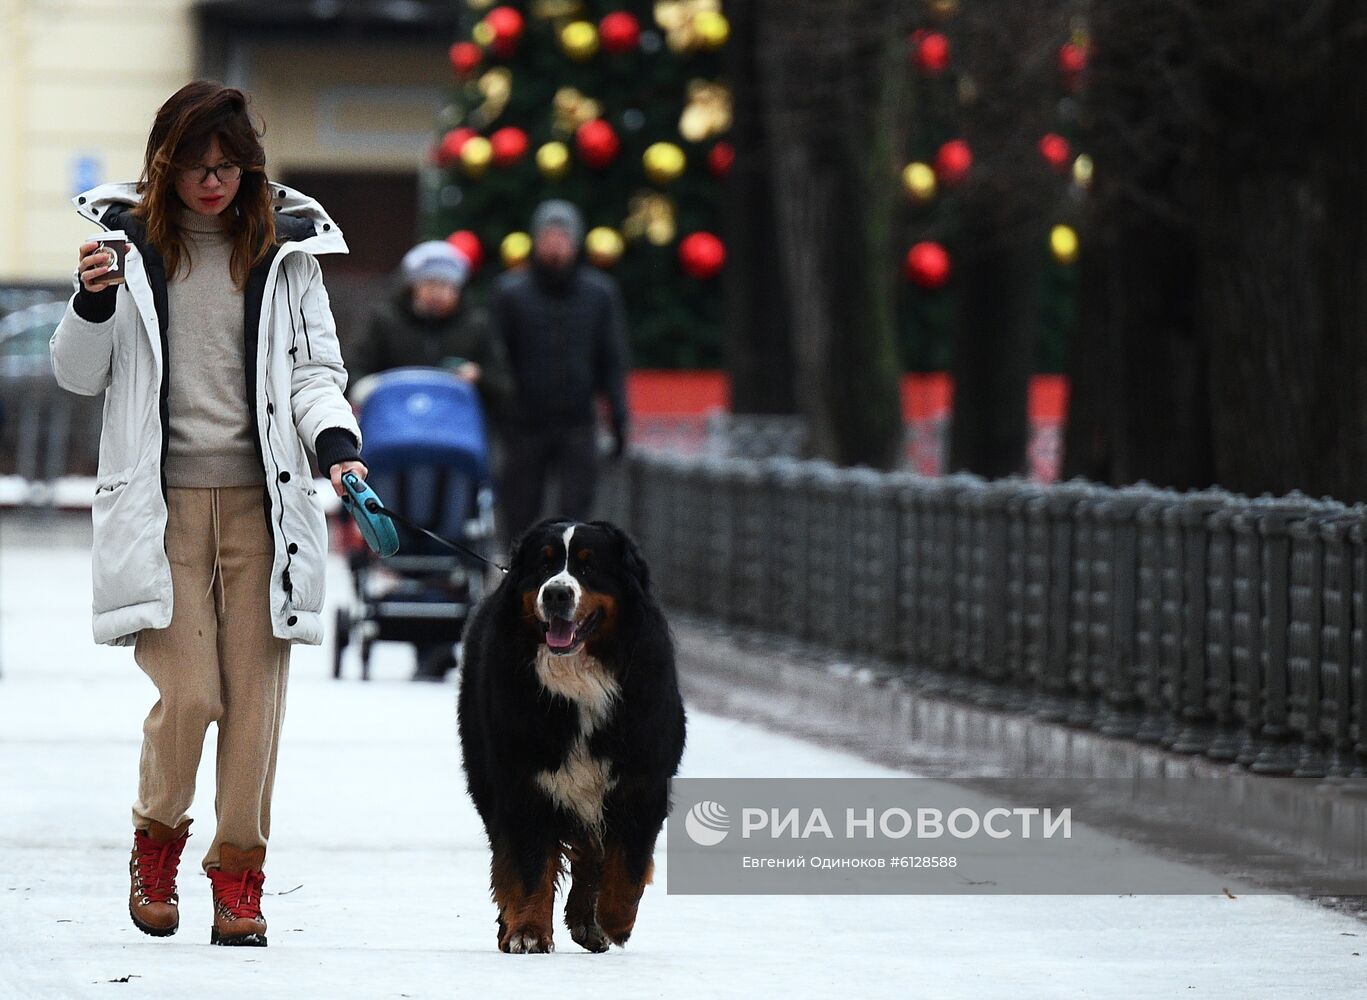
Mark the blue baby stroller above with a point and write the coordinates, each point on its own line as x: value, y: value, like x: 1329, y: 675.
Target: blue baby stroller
x: 428, y: 455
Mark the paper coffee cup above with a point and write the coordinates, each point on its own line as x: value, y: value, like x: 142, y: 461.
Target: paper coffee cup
x: 114, y: 243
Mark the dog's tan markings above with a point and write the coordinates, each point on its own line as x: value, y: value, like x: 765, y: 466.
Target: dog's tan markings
x: 620, y: 895
x: 580, y: 678
x: 525, y: 917
x: 606, y: 607
x: 582, y: 781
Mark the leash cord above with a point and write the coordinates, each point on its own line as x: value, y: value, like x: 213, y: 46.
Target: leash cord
x: 375, y: 508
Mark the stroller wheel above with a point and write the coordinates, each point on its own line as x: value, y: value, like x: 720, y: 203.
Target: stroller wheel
x: 365, y: 658
x: 340, y: 637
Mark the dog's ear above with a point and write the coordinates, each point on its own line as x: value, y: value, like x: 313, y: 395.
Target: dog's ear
x: 632, y: 561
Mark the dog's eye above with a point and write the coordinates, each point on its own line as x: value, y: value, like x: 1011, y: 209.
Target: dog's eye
x: 548, y: 553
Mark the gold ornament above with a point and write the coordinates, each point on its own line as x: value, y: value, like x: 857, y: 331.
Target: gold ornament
x: 604, y: 245
x: 1063, y: 243
x: 579, y: 39
x: 664, y: 162
x: 1082, y: 171
x: 707, y: 112
x: 553, y: 160
x: 481, y: 4
x: 919, y: 181
x: 572, y: 109
x: 496, y: 87
x: 515, y: 249
x: 483, y: 34
x: 475, y: 156
x: 711, y: 29
x: 650, y: 215
x: 943, y: 9
x: 678, y: 20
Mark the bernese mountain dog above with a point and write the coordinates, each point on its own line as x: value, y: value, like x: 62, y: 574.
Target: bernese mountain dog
x: 571, y: 725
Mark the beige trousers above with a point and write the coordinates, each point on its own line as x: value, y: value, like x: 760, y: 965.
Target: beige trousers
x: 216, y: 662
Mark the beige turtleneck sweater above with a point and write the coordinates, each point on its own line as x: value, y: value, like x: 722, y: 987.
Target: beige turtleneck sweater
x: 211, y: 430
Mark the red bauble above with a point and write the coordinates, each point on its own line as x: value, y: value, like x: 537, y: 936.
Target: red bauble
x: 510, y: 145
x: 1072, y: 59
x: 619, y: 32
x: 720, y: 157
x: 927, y: 265
x: 468, y: 244
x: 465, y: 58
x: 452, y: 143
x: 932, y: 53
x: 702, y: 255
x: 1055, y: 149
x: 952, y: 162
x: 597, y: 143
x: 506, y: 24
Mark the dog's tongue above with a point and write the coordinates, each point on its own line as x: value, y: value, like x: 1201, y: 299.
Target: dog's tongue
x: 560, y: 634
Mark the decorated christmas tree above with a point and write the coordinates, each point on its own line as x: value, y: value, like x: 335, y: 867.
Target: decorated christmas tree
x: 617, y: 106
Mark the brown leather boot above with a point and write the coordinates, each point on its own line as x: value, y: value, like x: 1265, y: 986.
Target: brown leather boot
x: 152, y: 900
x: 237, y: 884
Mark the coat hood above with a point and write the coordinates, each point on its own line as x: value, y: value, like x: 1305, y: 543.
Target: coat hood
x: 299, y: 220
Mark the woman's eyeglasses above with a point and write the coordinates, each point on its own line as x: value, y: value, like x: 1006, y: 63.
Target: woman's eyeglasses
x: 225, y: 172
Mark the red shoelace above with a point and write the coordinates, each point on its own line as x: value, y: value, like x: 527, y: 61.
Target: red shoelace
x: 157, y: 865
x: 238, y: 892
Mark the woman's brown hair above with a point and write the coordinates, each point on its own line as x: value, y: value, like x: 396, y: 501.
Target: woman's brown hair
x: 182, y: 131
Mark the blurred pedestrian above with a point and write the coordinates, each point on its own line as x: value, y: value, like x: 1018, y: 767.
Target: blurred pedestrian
x: 428, y: 322
x: 219, y: 363
x: 564, y: 328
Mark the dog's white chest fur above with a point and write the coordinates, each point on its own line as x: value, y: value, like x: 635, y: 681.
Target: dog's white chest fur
x: 582, y: 781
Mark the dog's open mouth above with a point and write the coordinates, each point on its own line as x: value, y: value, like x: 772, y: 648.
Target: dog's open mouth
x: 565, y: 636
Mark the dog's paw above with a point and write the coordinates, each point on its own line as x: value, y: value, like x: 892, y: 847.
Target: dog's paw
x: 590, y: 937
x: 527, y: 941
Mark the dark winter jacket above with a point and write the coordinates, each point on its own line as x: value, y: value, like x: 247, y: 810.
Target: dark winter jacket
x: 398, y: 337
x: 567, y: 343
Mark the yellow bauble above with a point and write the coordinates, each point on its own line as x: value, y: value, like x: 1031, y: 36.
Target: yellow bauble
x: 515, y: 248
x: 483, y: 34
x: 711, y: 29
x: 579, y: 39
x: 1082, y: 171
x: 664, y: 162
x: 475, y: 156
x: 1063, y: 242
x: 553, y: 160
x: 919, y: 181
x: 604, y: 245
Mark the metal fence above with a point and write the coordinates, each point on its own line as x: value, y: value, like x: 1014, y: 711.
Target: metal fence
x: 1206, y: 622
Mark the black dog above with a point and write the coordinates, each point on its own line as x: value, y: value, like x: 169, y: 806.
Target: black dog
x: 571, y: 726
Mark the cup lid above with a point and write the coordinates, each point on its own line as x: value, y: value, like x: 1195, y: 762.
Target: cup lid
x: 106, y: 235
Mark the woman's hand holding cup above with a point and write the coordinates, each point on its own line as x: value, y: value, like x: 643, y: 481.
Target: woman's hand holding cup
x: 102, y: 260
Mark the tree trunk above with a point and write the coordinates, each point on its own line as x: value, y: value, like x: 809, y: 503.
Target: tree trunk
x: 758, y: 349
x: 1260, y: 219
x: 1138, y: 364
x: 830, y: 90
x: 1008, y: 55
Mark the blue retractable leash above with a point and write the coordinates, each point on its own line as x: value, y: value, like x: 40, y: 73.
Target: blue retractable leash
x: 377, y: 522
x: 376, y: 527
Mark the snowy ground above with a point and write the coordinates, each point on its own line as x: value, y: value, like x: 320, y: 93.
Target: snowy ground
x: 385, y: 868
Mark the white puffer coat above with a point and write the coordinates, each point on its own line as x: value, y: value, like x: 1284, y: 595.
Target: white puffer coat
x: 299, y: 381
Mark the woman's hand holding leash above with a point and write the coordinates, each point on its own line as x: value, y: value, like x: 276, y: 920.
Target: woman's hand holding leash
x: 341, y: 469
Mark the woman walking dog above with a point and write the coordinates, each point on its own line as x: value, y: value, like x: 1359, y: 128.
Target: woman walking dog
x: 220, y: 365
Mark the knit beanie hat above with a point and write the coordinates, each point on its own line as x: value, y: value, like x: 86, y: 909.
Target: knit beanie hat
x: 435, y: 260
x: 558, y: 212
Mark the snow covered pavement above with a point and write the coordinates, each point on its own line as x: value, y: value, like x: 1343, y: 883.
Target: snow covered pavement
x: 381, y: 867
